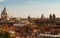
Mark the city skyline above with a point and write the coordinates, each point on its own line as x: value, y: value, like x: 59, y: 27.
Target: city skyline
x: 34, y: 8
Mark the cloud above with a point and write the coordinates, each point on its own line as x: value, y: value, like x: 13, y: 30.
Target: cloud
x: 1, y: 0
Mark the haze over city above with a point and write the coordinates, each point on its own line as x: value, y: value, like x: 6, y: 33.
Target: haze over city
x: 34, y: 8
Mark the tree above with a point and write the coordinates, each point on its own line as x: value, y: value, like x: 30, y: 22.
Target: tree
x: 4, y: 34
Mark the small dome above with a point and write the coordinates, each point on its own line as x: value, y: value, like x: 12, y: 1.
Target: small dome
x: 29, y: 18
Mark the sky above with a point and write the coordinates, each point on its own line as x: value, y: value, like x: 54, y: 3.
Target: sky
x: 34, y: 8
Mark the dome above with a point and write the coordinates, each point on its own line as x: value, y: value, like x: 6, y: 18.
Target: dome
x: 4, y: 15
x: 4, y: 12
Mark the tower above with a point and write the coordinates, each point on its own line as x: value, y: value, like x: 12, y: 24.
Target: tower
x: 54, y: 16
x: 4, y: 15
x: 42, y: 16
x: 50, y: 16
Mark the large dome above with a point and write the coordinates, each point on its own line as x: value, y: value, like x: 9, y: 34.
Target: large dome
x: 4, y: 12
x: 4, y: 15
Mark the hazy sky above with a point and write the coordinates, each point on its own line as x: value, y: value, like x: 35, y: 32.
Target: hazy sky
x: 34, y: 8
